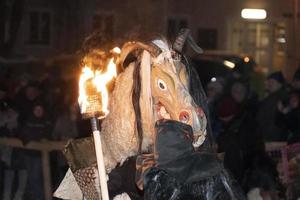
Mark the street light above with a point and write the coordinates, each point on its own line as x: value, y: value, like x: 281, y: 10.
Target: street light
x: 249, y: 13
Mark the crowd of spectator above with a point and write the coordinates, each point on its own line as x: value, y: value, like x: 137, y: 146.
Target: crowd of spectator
x: 242, y: 124
x: 35, y: 109
x: 45, y: 108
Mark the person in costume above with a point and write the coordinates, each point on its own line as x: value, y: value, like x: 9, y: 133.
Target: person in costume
x: 157, y: 90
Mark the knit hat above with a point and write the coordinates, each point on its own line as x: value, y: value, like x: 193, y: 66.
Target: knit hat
x: 277, y: 76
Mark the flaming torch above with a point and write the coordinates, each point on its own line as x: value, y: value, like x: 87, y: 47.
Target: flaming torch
x: 93, y: 101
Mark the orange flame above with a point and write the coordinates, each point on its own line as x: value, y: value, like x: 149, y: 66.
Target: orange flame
x: 100, y: 81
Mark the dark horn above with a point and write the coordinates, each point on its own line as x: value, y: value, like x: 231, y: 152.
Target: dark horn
x: 194, y: 45
x: 183, y: 36
x: 180, y: 40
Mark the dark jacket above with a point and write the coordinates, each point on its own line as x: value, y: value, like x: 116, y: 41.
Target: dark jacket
x: 181, y: 173
x: 266, y: 117
x: 291, y: 121
x: 239, y: 138
x: 35, y: 129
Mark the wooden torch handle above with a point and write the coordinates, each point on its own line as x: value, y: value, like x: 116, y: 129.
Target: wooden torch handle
x: 100, y: 164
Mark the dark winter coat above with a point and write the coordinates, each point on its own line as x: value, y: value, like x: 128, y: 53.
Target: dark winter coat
x: 266, y: 117
x: 291, y: 121
x: 181, y: 173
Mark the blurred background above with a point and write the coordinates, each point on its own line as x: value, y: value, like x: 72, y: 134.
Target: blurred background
x: 249, y: 70
x: 47, y: 30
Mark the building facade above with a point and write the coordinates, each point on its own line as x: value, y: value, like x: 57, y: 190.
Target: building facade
x: 53, y: 28
x: 218, y: 25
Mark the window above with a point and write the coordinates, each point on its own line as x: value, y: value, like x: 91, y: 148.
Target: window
x: 104, y: 23
x: 208, y: 38
x: 174, y: 25
x: 39, y: 27
x: 280, y: 37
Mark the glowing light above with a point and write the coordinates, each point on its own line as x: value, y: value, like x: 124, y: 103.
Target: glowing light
x: 229, y: 64
x: 116, y: 50
x: 213, y: 79
x: 281, y: 40
x: 246, y: 59
x: 248, y: 13
x: 100, y: 80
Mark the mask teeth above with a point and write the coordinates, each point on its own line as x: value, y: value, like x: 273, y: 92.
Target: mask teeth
x: 200, y: 140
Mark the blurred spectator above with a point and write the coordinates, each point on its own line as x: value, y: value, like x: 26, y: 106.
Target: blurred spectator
x: 214, y: 89
x: 214, y: 92
x: 36, y: 127
x: 238, y: 137
x: 65, y: 125
x: 274, y: 82
x: 22, y: 82
x: 53, y: 87
x: 243, y: 145
x: 8, y: 124
x: 290, y: 116
x: 8, y: 116
x: 6, y: 80
x: 293, y: 187
x: 25, y: 99
x: 261, y: 176
x: 267, y: 111
x: 296, y: 80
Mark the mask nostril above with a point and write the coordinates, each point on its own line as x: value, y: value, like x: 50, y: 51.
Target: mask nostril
x: 184, y: 116
x: 200, y: 112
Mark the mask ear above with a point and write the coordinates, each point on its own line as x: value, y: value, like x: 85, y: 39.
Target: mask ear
x: 146, y: 99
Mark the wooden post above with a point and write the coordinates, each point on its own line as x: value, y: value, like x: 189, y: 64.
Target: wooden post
x: 47, y: 175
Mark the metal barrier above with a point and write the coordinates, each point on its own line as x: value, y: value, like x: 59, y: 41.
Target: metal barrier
x: 288, y: 153
x: 45, y: 147
x: 274, y: 150
x: 282, y: 153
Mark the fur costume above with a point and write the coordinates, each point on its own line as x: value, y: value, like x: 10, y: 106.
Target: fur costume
x: 158, y: 84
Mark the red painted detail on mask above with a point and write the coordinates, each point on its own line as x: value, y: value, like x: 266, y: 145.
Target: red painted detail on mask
x: 184, y: 116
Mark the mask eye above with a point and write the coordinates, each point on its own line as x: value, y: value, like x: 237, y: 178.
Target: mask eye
x: 161, y: 84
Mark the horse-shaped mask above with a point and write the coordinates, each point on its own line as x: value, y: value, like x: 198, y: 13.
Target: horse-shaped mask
x: 153, y: 87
